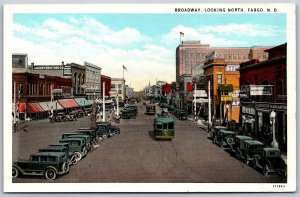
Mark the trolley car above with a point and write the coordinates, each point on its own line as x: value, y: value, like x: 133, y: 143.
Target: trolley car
x: 150, y: 109
x: 164, y: 127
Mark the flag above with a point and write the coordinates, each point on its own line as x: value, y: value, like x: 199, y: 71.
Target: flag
x: 124, y: 68
x: 181, y: 34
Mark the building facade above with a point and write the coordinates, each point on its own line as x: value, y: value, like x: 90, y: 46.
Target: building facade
x: 263, y: 91
x: 107, y: 81
x: 118, y: 84
x: 93, y: 81
x: 19, y: 60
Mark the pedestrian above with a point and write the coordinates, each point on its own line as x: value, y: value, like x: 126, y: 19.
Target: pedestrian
x: 51, y: 117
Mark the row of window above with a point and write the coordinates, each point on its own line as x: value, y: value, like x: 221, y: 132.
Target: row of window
x: 188, y: 55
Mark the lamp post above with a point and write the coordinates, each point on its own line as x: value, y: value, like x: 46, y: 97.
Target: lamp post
x: 227, y: 107
x: 272, y: 116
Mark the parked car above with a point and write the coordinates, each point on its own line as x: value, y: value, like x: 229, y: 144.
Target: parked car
x: 224, y: 138
x: 72, y: 158
x: 76, y: 146
x: 238, y: 148
x: 87, y: 138
x: 106, y: 129
x: 270, y: 162
x: 127, y: 114
x: 60, y: 117
x: 131, y: 107
x: 215, y: 130
x: 90, y: 131
x: 182, y: 115
x: 253, y: 148
x: 48, y: 164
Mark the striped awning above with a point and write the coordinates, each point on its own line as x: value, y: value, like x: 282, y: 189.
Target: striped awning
x: 48, y: 105
x: 82, y: 102
x: 30, y: 108
x: 68, y: 103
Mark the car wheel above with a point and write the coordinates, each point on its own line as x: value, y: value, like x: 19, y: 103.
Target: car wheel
x: 15, y: 172
x: 74, y: 159
x: 50, y: 174
x: 65, y: 167
x: 84, y: 151
x: 78, y: 156
x: 265, y: 171
x: 88, y: 146
x: 104, y: 135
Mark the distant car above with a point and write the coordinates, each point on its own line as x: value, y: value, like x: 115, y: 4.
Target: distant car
x: 90, y: 131
x: 182, y: 115
x: 224, y: 138
x: 270, y: 162
x: 215, y: 130
x: 128, y: 114
x: 106, y: 129
x: 48, y: 164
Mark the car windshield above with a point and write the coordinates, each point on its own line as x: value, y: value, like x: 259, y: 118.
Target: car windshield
x: 170, y: 126
x: 159, y: 126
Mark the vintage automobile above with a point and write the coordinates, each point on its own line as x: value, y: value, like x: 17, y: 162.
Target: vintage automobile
x: 270, y: 162
x: 106, y: 129
x: 72, y: 158
x: 253, y: 148
x: 127, y: 114
x: 224, y: 138
x: 48, y: 164
x: 238, y: 147
x: 60, y: 117
x: 181, y: 115
x: 77, y: 146
x: 151, y: 109
x: 215, y: 130
x: 90, y: 131
x: 163, y: 127
x: 131, y: 107
x: 86, y: 138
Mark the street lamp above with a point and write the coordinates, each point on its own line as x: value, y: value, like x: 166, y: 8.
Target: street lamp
x: 272, y: 116
x: 227, y: 107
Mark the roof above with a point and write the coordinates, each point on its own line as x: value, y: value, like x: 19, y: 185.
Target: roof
x: 272, y: 149
x: 49, y: 154
x: 253, y: 142
x: 163, y: 119
x: 226, y: 131
x: 243, y: 137
x: 70, y: 139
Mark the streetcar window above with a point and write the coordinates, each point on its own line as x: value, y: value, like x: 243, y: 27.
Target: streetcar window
x: 170, y: 126
x: 165, y: 126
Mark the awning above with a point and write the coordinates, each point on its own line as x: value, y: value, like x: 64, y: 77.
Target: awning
x: 47, y: 106
x: 82, y: 102
x: 34, y: 108
x: 225, y: 87
x: 68, y: 103
x: 21, y: 107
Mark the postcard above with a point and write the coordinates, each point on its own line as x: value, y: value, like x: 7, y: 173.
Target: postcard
x: 149, y: 97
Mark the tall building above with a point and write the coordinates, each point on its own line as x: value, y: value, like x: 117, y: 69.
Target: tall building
x: 118, y: 83
x: 93, y: 81
x: 19, y: 60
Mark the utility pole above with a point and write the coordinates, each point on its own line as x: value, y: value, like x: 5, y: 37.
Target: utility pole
x: 103, y: 90
x: 117, y: 99
x: 195, y: 103
x: 15, y: 107
x: 209, y: 107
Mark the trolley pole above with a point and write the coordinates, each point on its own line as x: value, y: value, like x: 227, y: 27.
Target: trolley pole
x: 209, y: 107
x: 103, y: 90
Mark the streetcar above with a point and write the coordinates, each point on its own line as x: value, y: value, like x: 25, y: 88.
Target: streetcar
x: 164, y: 127
x: 150, y: 109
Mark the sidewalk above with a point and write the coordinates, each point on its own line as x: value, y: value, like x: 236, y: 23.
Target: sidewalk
x: 201, y: 123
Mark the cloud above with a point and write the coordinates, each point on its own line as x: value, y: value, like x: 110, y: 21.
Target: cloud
x: 234, y: 29
x: 173, y: 37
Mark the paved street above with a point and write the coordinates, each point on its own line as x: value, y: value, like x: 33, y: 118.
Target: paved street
x: 135, y: 156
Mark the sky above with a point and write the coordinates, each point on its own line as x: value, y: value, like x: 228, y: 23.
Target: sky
x: 144, y: 43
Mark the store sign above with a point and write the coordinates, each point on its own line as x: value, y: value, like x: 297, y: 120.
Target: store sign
x: 226, y: 98
x: 47, y: 67
x: 258, y: 90
x: 235, y: 103
x: 200, y: 93
x: 67, y: 71
x: 271, y: 106
x: 235, y: 94
x: 247, y: 110
x: 201, y: 100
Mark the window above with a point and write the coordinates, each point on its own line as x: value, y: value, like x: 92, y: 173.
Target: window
x: 170, y: 126
x: 165, y: 126
x: 159, y: 126
x: 225, y: 56
x: 43, y: 159
x: 35, y: 159
x: 230, y: 56
x: 198, y: 55
x: 113, y: 86
x: 240, y: 56
x: 258, y: 55
x: 244, y: 56
x: 52, y: 159
x: 219, y: 76
x: 225, y: 93
x: 234, y: 56
x: 265, y: 55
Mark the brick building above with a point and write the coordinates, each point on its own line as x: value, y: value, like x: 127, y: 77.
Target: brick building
x: 190, y: 55
x: 107, y: 81
x: 263, y: 90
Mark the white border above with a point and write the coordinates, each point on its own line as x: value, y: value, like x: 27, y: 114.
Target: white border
x: 9, y: 10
